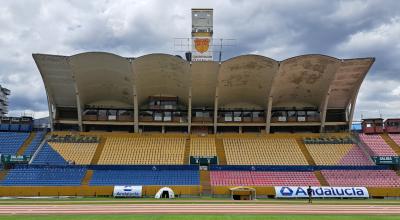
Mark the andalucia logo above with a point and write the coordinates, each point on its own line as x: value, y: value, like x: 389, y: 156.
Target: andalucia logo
x: 201, y: 44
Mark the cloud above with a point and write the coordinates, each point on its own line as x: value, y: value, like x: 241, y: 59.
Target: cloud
x: 276, y: 29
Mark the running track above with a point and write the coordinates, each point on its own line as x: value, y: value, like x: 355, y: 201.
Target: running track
x: 199, y: 209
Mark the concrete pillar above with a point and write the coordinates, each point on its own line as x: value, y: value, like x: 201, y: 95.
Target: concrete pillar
x: 135, y: 100
x: 135, y: 111
x: 269, y: 115
x: 79, y: 109
x: 51, y: 113
x: 323, y: 111
x: 190, y: 110
x: 353, y: 106
x: 216, y: 111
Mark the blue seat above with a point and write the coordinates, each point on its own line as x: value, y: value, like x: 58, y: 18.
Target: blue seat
x: 145, y: 177
x: 30, y: 150
x: 14, y: 127
x: 4, y: 127
x: 48, y: 156
x: 10, y: 142
x: 36, y: 176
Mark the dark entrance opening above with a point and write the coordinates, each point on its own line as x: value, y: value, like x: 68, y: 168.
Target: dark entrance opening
x: 236, y: 197
x: 165, y: 194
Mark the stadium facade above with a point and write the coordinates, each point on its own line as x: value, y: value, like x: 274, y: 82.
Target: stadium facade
x: 4, y: 93
x: 161, y: 92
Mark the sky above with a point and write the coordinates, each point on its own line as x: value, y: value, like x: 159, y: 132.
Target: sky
x: 276, y: 29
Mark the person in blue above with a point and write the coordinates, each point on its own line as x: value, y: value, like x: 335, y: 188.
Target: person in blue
x: 309, y: 193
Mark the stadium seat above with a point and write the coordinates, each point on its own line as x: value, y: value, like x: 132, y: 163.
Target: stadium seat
x: 262, y: 178
x: 371, y: 178
x: 10, y: 142
x: 145, y: 177
x: 34, y: 144
x: 337, y: 154
x: 202, y: 147
x: 79, y: 153
x: 395, y: 138
x: 376, y: 145
x: 48, y: 156
x: 262, y: 151
x: 68, y: 176
x: 138, y: 150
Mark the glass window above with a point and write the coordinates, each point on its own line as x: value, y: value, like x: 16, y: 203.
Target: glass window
x: 198, y: 114
x: 228, y: 116
x: 247, y: 114
x: 301, y: 113
x: 157, y: 116
x: 237, y: 116
x: 291, y: 113
x: 167, y: 116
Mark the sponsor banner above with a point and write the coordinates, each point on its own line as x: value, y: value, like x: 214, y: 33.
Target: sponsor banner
x: 321, y: 192
x: 201, y: 47
x: 386, y: 160
x: 6, y: 158
x: 203, y: 160
x: 127, y: 191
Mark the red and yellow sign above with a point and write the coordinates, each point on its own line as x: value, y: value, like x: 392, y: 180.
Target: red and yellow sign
x: 202, y: 44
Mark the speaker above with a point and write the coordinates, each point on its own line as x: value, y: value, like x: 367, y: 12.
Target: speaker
x: 188, y: 56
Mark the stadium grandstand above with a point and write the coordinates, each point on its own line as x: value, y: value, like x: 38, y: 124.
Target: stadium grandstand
x: 199, y: 127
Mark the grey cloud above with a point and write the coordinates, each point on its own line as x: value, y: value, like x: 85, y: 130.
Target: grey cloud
x: 277, y: 29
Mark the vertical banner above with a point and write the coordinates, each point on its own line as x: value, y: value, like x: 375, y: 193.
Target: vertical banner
x: 202, y: 49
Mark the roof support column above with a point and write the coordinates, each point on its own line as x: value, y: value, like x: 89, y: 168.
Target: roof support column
x: 190, y: 110
x: 135, y: 110
x: 353, y: 106
x: 135, y: 100
x: 216, y: 101
x: 78, y: 99
x: 354, y: 96
x: 51, y: 113
x: 323, y: 112
x: 268, y: 115
x: 79, y: 109
x: 216, y: 110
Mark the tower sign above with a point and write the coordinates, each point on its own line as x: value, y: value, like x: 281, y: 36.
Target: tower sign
x: 202, y: 32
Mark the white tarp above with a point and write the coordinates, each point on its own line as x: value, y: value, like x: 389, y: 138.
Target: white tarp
x: 321, y: 192
x: 169, y: 191
x: 127, y: 191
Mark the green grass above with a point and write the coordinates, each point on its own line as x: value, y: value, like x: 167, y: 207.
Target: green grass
x: 199, y: 217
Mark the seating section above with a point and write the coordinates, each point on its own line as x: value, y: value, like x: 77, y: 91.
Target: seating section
x: 34, y: 144
x: 202, y: 147
x: 377, y: 146
x: 337, y: 154
x: 16, y: 127
x: 10, y: 142
x: 48, y: 156
x: 368, y: 178
x: 45, y: 176
x: 138, y: 150
x: 145, y: 177
x: 79, y: 153
x: 262, y: 151
x: 262, y: 178
x: 395, y: 138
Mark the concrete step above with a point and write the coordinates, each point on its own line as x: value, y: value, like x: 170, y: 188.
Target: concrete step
x: 26, y: 144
